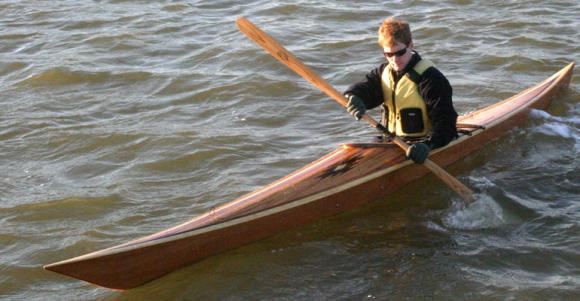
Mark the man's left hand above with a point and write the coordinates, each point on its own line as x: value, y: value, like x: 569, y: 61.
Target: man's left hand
x: 418, y: 152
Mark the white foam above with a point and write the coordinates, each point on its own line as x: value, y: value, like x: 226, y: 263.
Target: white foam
x: 484, y: 213
x: 539, y: 114
x: 556, y: 129
x: 565, y: 127
x: 573, y: 119
x: 482, y: 183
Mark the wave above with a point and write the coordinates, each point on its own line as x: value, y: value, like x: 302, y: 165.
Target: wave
x: 485, y: 213
x: 567, y: 127
x: 63, y: 209
x: 64, y: 76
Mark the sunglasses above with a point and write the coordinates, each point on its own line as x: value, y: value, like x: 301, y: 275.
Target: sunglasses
x: 396, y: 53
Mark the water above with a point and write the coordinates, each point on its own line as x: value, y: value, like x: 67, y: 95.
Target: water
x: 122, y: 118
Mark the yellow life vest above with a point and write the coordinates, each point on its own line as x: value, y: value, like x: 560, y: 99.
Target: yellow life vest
x: 406, y: 112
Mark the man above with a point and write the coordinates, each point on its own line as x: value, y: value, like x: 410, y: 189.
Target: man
x: 414, y: 95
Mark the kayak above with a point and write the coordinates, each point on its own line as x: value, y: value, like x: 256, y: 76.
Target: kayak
x: 346, y: 178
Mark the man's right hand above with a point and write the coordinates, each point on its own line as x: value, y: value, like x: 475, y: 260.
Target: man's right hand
x: 355, y: 106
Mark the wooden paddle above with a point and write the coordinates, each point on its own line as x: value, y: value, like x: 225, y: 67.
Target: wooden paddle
x: 284, y: 56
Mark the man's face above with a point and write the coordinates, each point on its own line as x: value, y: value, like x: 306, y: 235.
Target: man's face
x: 398, y: 55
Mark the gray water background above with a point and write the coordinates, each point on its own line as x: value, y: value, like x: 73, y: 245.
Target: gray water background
x: 122, y: 118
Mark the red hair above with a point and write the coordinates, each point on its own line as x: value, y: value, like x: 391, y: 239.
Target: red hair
x: 394, y: 30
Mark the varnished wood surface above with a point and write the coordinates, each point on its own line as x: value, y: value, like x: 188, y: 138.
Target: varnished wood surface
x: 346, y: 178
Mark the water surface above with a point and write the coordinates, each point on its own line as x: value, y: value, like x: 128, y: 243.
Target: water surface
x: 122, y: 118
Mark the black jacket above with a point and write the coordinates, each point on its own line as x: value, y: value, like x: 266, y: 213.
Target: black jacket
x: 433, y: 87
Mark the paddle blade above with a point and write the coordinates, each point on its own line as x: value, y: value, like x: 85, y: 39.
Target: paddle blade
x: 285, y: 57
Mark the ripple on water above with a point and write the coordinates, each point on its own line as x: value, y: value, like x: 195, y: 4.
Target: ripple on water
x: 68, y: 208
x: 123, y: 117
x: 62, y: 76
x: 7, y: 68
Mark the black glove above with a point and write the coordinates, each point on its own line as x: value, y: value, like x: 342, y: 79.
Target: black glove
x: 355, y: 106
x: 418, y: 152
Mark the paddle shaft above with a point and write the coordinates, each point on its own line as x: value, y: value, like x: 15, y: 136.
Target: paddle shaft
x: 285, y: 57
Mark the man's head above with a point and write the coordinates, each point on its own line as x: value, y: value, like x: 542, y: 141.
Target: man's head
x: 396, y: 40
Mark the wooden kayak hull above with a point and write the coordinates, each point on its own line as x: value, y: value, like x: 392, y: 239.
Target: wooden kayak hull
x: 346, y: 178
